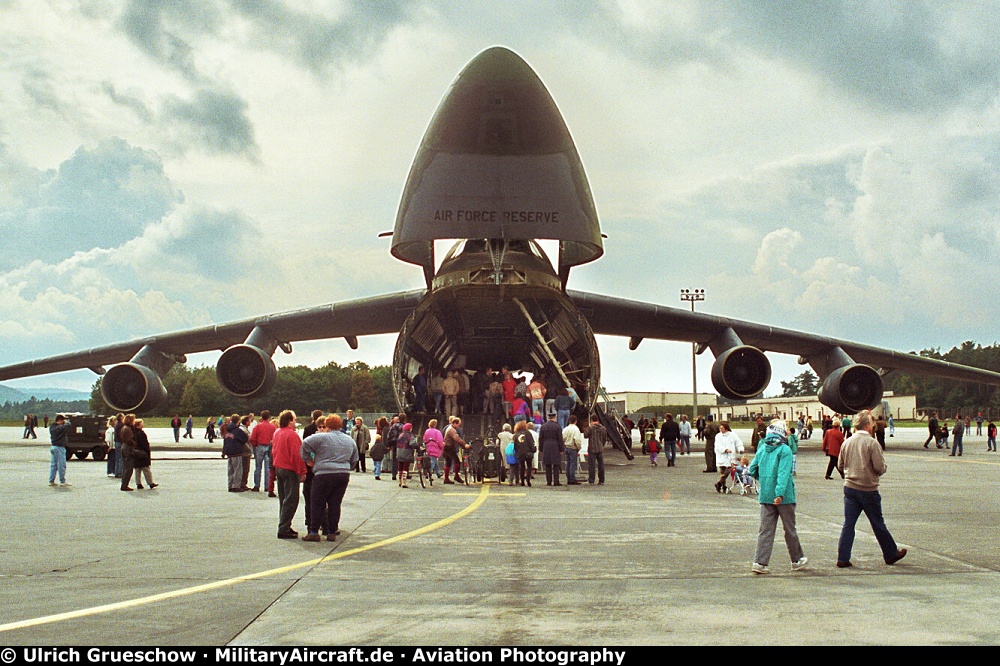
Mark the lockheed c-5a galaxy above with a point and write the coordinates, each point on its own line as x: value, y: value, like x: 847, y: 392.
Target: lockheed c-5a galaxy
x: 498, y: 170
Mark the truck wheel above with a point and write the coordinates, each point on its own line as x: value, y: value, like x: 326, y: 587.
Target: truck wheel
x: 80, y: 455
x: 99, y: 453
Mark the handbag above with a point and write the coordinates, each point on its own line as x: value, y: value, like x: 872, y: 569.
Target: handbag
x: 404, y: 454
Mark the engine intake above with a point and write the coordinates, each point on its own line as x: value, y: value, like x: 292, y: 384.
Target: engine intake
x: 130, y: 387
x: 741, y: 372
x: 852, y: 388
x: 137, y: 386
x: 246, y: 371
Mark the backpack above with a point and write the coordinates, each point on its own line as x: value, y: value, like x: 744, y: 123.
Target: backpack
x: 511, y: 456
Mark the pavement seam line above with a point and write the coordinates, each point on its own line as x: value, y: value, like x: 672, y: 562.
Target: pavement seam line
x: 219, y: 584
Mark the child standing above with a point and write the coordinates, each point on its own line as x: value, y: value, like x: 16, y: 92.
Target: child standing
x: 653, y: 446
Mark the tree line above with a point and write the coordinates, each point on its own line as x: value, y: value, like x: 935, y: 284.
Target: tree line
x: 300, y: 388
x: 951, y: 397
x: 16, y: 411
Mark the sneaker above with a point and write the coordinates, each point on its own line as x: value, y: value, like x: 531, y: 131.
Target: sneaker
x: 801, y: 564
x: 760, y: 569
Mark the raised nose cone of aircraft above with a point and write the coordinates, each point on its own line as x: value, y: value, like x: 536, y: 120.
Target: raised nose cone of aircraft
x: 497, y: 162
x: 498, y: 106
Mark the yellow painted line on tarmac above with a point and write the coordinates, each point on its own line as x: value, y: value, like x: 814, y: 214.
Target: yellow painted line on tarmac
x: 207, y: 587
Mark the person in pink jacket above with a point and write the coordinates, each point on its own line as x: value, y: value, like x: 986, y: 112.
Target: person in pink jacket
x: 434, y: 442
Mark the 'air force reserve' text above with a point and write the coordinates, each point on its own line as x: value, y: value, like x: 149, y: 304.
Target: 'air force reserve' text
x: 509, y: 216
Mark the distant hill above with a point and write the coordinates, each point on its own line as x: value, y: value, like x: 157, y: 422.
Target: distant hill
x: 10, y: 394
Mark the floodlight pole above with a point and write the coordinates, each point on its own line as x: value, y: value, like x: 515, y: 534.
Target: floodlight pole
x: 692, y: 296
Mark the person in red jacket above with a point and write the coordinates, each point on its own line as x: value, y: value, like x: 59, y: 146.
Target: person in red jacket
x: 290, y: 471
x: 260, y: 439
x: 833, y: 439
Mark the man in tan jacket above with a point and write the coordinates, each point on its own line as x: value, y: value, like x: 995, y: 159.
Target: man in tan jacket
x: 862, y: 464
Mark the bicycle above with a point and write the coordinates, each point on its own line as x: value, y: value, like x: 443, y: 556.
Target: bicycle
x: 423, y: 465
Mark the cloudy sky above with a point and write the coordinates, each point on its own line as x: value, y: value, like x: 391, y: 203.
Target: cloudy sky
x: 825, y: 166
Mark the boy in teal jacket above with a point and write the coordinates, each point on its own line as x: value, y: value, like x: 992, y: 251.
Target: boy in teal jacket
x: 772, y: 467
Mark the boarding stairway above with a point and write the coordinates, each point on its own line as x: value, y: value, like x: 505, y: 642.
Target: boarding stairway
x: 619, y: 434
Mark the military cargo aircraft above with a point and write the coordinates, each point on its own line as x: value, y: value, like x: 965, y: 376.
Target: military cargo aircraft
x: 497, y: 171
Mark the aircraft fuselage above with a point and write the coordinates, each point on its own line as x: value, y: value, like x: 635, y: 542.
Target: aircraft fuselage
x: 495, y: 305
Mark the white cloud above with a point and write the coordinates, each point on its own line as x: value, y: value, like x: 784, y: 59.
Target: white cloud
x: 239, y: 158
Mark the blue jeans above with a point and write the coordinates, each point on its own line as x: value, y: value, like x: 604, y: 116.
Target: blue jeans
x: 957, y: 447
x: 670, y: 450
x: 118, y: 458
x: 856, y: 501
x: 262, y: 458
x: 58, y: 465
x: 562, y: 416
x: 112, y: 460
x: 572, y: 463
x: 377, y: 467
x: 538, y: 406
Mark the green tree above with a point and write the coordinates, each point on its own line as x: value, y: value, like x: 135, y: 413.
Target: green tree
x: 363, y: 396
x: 804, y: 384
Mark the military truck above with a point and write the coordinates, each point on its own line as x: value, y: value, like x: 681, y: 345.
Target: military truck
x: 87, y: 436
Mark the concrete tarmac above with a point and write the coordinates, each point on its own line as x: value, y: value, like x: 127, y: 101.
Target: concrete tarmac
x: 653, y: 557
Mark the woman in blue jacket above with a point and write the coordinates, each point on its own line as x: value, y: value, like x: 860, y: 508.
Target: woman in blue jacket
x: 772, y: 467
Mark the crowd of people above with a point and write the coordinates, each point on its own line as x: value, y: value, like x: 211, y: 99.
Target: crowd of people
x: 319, y: 461
x: 501, y: 394
x: 952, y: 438
x: 129, y: 452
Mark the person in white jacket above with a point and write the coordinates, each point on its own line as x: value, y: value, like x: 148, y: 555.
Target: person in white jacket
x: 728, y: 446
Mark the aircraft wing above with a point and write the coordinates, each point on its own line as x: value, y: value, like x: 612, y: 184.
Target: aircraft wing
x: 830, y: 357
x: 349, y: 319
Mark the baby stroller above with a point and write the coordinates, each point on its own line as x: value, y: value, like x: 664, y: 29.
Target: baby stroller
x: 739, y: 477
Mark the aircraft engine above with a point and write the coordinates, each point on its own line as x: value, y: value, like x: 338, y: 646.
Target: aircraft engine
x: 130, y: 387
x: 137, y: 386
x: 246, y: 370
x: 741, y: 372
x: 851, y: 388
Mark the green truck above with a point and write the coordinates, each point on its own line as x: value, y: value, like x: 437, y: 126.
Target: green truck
x: 88, y: 436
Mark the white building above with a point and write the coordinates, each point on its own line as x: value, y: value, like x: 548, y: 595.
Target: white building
x: 900, y: 406
x: 632, y: 402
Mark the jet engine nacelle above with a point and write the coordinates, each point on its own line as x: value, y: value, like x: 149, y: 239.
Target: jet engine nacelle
x: 137, y: 386
x: 741, y: 372
x: 132, y: 388
x: 246, y: 370
x: 851, y: 388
